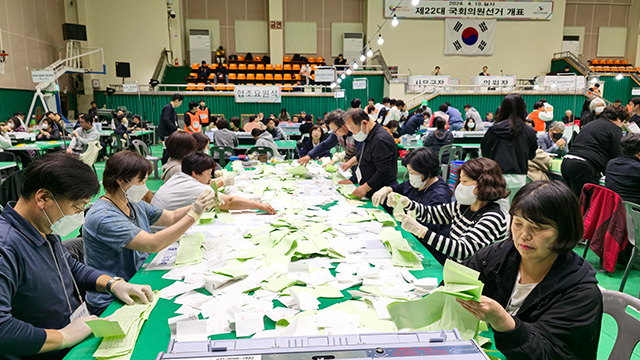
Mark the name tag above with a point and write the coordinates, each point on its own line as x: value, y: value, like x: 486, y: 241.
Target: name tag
x: 203, y: 116
x: 80, y: 311
x: 358, y: 174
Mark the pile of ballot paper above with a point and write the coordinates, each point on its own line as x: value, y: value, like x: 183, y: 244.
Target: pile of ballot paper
x: 120, y: 330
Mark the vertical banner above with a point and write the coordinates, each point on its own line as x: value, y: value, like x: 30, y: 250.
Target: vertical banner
x: 469, y: 36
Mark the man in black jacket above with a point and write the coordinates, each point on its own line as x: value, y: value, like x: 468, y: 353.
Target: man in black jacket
x: 169, y: 121
x: 378, y: 155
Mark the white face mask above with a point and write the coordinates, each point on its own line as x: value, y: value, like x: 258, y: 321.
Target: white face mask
x: 10, y: 125
x: 45, y: 126
x: 67, y: 223
x: 136, y: 192
x: 416, y: 181
x: 464, y: 194
x: 471, y: 125
x: 599, y: 110
x: 361, y: 136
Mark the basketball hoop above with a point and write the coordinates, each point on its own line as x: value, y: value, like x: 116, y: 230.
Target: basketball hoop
x: 3, y: 60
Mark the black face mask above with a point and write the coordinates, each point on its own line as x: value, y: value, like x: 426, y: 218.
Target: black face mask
x: 556, y: 137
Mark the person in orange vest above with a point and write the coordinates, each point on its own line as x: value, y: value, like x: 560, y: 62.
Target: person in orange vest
x: 538, y: 124
x: 203, y: 113
x: 191, y: 119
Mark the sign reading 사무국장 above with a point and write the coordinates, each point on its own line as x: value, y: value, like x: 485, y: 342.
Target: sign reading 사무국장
x: 479, y: 9
x: 257, y: 94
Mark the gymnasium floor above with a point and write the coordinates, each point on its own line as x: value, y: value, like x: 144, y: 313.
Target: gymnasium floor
x: 607, y: 281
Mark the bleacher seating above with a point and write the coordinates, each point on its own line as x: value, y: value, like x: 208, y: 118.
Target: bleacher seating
x: 612, y: 66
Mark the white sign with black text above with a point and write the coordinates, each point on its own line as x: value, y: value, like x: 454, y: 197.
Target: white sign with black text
x: 257, y: 94
x: 43, y: 76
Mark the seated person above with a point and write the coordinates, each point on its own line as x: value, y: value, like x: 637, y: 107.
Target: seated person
x: 540, y: 298
x: 15, y: 125
x: 435, y: 140
x: 225, y: 137
x: 49, y: 130
x: 5, y: 140
x: 122, y: 128
x: 263, y: 138
x: 553, y: 142
x: 83, y: 135
x: 475, y: 217
x: 424, y: 186
x: 138, y: 124
x: 234, y: 124
x: 116, y: 233
x: 179, y: 144
x: 185, y: 187
x: 254, y: 123
x: 275, y: 130
x: 316, y: 136
x: 623, y: 172
x: 39, y: 279
x: 392, y: 127
x: 221, y: 73
x: 470, y: 125
x: 203, y: 71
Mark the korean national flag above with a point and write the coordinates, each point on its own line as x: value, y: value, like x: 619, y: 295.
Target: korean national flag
x: 469, y: 36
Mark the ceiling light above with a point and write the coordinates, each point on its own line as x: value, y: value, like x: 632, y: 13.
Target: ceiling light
x: 369, y: 52
x: 380, y: 40
x: 394, y: 21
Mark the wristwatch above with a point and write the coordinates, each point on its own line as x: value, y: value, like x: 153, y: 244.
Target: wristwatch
x: 112, y: 281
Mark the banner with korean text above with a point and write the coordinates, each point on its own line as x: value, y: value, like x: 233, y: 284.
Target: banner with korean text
x: 469, y: 36
x: 474, y: 9
x: 257, y: 94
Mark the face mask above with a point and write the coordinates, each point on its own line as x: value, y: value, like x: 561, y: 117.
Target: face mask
x: 45, y: 126
x: 464, y: 194
x: 136, y: 192
x: 67, y: 223
x: 556, y: 137
x: 471, y: 125
x: 10, y: 125
x: 361, y: 136
x: 416, y: 181
x: 599, y: 110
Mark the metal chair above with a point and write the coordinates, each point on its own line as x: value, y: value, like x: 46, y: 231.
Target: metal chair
x: 633, y: 226
x: 142, y: 149
x: 221, y: 151
x: 615, y: 304
x: 455, y: 154
x: 261, y: 150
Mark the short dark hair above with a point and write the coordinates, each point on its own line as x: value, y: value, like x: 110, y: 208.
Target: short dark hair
x: 180, y: 144
x: 392, y: 102
x: 400, y: 103
x: 136, y: 116
x: 337, y: 117
x: 551, y: 203
x: 537, y: 105
x: 355, y: 103
x: 370, y: 109
x: 423, y: 160
x: 202, y: 140
x: 193, y: 105
x: 630, y: 144
x: 317, y: 127
x: 419, y: 110
x: 357, y: 116
x: 443, y: 107
x: 252, y: 118
x: 201, y: 100
x: 467, y: 106
x: 372, y: 99
x: 17, y: 113
x: 124, y: 165
x: 543, y: 100
x: 48, y: 113
x: 198, y: 162
x: 203, y: 62
x: 597, y: 85
x: 614, y: 112
x: 491, y: 184
x: 385, y: 100
x: 439, y: 122
x: 60, y: 173
x: 222, y: 124
x: 393, y: 124
x: 176, y: 96
x: 256, y: 132
x: 635, y: 101
x: 236, y: 121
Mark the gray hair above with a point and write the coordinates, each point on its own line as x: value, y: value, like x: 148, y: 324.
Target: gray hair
x: 337, y: 117
x: 556, y: 125
x: 596, y: 102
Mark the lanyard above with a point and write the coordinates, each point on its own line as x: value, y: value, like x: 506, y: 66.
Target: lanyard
x: 60, y: 275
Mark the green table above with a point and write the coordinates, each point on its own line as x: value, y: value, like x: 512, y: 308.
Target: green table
x: 288, y: 145
x: 155, y: 334
x: 419, y: 145
x: 4, y: 165
x: 38, y: 146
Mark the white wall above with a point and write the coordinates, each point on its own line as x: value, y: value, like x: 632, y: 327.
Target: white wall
x: 419, y: 45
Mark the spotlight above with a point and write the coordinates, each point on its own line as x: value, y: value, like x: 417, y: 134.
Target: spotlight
x: 415, y: 2
x: 355, y: 65
x: 362, y: 57
x: 619, y: 77
x: 343, y: 76
x: 380, y: 40
x: 394, y: 21
x: 369, y: 52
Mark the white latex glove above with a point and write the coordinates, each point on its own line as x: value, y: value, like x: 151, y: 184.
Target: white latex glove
x: 391, y: 200
x: 218, y: 174
x: 412, y: 225
x: 206, y: 199
x: 124, y: 291
x: 76, y: 331
x: 228, y: 181
x: 379, y: 196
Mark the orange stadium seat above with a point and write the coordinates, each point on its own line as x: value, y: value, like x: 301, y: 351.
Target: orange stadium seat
x: 296, y: 67
x: 240, y: 58
x: 232, y: 76
x: 286, y: 67
x: 260, y: 67
x: 278, y: 67
x: 257, y: 58
x: 286, y: 59
x: 277, y: 77
x: 241, y: 77
x: 251, y: 77
x: 311, y: 59
x: 251, y: 67
x: 268, y: 67
x: 320, y: 60
x: 260, y: 77
x: 242, y: 67
x: 268, y: 77
x: 233, y: 67
x: 287, y: 77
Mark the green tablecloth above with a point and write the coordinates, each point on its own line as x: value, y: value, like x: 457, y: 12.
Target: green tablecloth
x: 281, y: 144
x: 7, y: 165
x: 38, y: 145
x: 419, y: 145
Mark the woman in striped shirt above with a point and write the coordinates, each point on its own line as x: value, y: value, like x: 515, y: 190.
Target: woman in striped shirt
x: 475, y: 217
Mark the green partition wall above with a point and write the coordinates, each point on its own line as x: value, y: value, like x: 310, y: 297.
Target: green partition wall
x: 12, y: 100
x: 618, y: 89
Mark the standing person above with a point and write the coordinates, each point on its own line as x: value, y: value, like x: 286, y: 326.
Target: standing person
x: 554, y: 142
x: 510, y: 142
x: 436, y: 71
x: 541, y: 299
x: 340, y: 134
x: 380, y: 106
x: 442, y: 113
x: 93, y: 111
x: 316, y: 137
x: 634, y: 109
x: 471, y: 113
x: 591, y: 150
x: 455, y: 118
x: 378, y: 156
x: 305, y: 73
x: 435, y: 140
x: 168, y: 121
x: 485, y: 71
x: 203, y: 113
x: 191, y: 119
x: 284, y: 116
x: 117, y: 235
x: 39, y: 280
x: 596, y: 107
x: 538, y: 108
x: 396, y: 112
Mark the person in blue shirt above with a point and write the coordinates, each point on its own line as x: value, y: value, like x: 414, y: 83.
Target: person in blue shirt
x: 117, y: 235
x: 413, y: 124
x: 40, y: 303
x: 455, y: 118
x: 425, y: 186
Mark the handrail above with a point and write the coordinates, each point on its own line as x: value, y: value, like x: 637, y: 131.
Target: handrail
x: 163, y: 61
x: 377, y: 56
x: 576, y: 62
